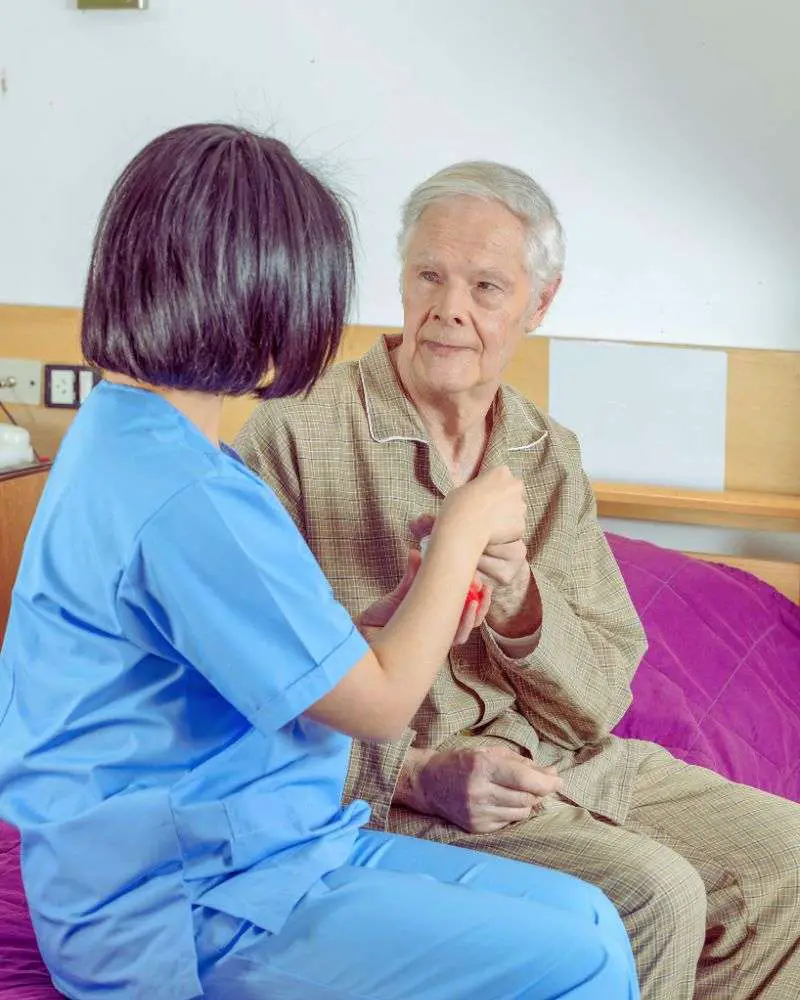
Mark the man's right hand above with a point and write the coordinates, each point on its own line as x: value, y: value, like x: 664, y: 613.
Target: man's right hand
x: 481, y: 790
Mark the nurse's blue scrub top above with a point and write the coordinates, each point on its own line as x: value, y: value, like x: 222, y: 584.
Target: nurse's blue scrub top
x: 169, y: 627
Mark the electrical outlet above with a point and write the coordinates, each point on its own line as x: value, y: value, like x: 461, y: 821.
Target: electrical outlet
x: 61, y: 386
x: 20, y: 381
x: 67, y: 386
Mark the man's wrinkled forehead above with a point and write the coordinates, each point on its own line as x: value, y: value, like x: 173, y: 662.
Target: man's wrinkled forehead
x: 487, y: 237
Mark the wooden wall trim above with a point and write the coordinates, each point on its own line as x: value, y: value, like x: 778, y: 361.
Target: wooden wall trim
x: 49, y: 333
x: 730, y: 508
x: 762, y: 445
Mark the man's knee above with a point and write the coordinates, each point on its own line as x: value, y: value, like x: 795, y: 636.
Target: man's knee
x: 664, y: 897
x: 771, y: 880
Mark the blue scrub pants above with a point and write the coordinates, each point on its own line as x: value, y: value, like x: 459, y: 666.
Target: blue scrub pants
x: 408, y: 919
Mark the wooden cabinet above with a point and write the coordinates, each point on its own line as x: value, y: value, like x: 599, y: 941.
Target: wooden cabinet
x: 20, y: 490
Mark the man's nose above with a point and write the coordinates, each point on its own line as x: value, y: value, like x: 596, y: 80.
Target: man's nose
x: 451, y: 305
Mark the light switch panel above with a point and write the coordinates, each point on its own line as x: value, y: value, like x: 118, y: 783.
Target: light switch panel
x: 20, y: 381
x: 87, y: 380
x: 112, y: 4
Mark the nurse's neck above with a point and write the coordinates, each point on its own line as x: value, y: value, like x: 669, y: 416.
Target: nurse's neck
x: 203, y: 409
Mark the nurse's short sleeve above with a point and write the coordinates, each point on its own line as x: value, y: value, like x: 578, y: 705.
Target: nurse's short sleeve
x: 221, y: 581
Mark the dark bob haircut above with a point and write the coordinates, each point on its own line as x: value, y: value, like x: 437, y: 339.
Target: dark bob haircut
x: 219, y: 260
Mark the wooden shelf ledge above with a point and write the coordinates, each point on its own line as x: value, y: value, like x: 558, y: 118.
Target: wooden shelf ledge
x: 726, y: 508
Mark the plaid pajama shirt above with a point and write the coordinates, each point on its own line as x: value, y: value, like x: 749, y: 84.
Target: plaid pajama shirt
x: 704, y: 872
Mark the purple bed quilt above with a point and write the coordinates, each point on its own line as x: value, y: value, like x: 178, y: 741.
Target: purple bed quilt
x: 720, y: 683
x: 22, y: 973
x: 719, y: 686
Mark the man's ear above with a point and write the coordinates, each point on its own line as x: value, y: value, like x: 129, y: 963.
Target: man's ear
x: 545, y: 300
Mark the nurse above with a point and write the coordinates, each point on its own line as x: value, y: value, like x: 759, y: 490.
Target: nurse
x: 178, y: 684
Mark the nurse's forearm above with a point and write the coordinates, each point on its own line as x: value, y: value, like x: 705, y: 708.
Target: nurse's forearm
x: 422, y: 629
x: 377, y: 699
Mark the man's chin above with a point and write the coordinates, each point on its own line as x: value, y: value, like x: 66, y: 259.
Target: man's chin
x: 449, y: 383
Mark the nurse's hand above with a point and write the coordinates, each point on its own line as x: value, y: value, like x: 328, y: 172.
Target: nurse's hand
x: 380, y: 613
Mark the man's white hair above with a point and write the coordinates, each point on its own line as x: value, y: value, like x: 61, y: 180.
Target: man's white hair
x: 513, y: 188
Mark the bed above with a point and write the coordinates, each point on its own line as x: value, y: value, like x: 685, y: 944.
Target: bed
x: 720, y: 683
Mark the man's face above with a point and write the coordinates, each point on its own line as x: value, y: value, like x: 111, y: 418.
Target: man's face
x: 466, y: 295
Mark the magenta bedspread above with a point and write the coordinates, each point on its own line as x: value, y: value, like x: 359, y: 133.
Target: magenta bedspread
x: 720, y: 683
x: 719, y: 686
x: 22, y: 974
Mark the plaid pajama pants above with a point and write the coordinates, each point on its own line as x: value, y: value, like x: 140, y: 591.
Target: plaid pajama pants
x: 704, y: 872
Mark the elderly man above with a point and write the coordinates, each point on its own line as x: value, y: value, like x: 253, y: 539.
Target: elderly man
x: 704, y: 872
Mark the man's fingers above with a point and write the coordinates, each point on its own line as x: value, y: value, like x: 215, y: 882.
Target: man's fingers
x: 412, y: 568
x: 501, y: 563
x: 496, y: 818
x: 422, y: 527
x: 473, y: 614
x: 499, y: 572
x: 489, y: 567
x: 466, y: 624
x: 511, y: 798
x: 484, y: 604
x: 524, y: 776
x: 506, y: 550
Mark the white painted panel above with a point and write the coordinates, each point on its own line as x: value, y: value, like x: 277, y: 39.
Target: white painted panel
x: 643, y: 414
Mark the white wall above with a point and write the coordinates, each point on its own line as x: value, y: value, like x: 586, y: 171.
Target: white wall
x: 665, y: 131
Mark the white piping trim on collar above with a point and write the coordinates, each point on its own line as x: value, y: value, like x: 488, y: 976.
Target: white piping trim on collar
x: 402, y: 437
x: 372, y: 433
x: 531, y: 444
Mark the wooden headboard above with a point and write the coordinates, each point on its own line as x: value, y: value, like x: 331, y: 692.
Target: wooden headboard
x: 762, y: 430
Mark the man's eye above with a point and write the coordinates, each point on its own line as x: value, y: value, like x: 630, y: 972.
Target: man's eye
x: 429, y: 276
x: 488, y: 286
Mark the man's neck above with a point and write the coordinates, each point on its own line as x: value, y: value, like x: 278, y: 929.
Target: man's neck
x: 458, y: 424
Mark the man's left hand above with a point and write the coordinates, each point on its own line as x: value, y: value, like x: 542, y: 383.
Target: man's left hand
x: 516, y: 608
